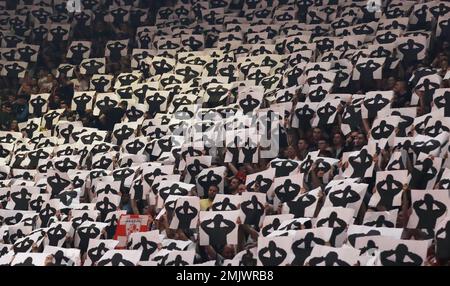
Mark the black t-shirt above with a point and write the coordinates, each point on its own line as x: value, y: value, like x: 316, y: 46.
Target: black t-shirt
x: 66, y: 93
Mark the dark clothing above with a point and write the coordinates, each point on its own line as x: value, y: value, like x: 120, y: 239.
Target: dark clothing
x: 401, y: 100
x: 113, y: 116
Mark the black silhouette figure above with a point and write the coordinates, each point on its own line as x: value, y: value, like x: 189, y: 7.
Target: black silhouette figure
x: 85, y: 233
x: 253, y: 210
x: 100, y: 83
x: 177, y: 262
x: 161, y: 67
x: 119, y: 15
x: 388, y: 189
x: 275, y: 256
x: 398, y: 256
x: 13, y: 70
x: 264, y: 184
x: 148, y: 248
x: 219, y: 230
x: 284, y: 168
x: 21, y: 199
x: 217, y: 95
x: 360, y: 163
x: 45, y: 214
x: 55, y: 234
x: 67, y: 197
x: 103, y: 163
x: 209, y: 179
x: 302, y: 248
x: 82, y: 101
x: 271, y: 227
x: 115, y: 50
x: 410, y: 50
x: 116, y: 260
x: 442, y: 242
x: 96, y: 253
x: 375, y: 104
x: 224, y: 205
x: 342, y: 198
x: 381, y: 221
x: 383, y: 130
x: 92, y: 66
x: 175, y: 189
x: 324, y: 113
x: 61, y: 260
x: 185, y: 214
x: 105, y: 207
x: 287, y: 191
x: 58, y: 33
x: 123, y: 133
x: 428, y: 210
x: 27, y: 262
x: 420, y: 178
x: 36, y: 204
x: 78, y: 52
x: 194, y: 169
x: 336, y: 223
x: 248, y: 151
x: 24, y: 245
x: 298, y: 207
x: 331, y: 259
x: 57, y: 184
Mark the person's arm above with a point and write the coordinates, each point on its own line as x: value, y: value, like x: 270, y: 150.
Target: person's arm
x: 134, y: 206
x: 366, y: 126
x: 315, y: 180
x: 233, y: 168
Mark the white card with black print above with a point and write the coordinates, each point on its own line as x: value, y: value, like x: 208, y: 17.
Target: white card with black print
x: 325, y: 113
x: 303, y: 205
x: 368, y: 68
x: 93, y: 66
x: 376, y: 101
x: 20, y: 196
x: 272, y: 223
x: 275, y: 251
x: 148, y: 242
x: 97, y: 248
x: 285, y: 189
x: 260, y: 181
x: 398, y: 252
x: 347, y: 195
x: 63, y: 256
x: 83, y: 100
x: 210, y: 177
x: 356, y: 231
x: 79, y: 50
x: 186, y: 213
x: 172, y: 188
x: 322, y: 255
x: 389, y: 189
x: 359, y: 164
x: 101, y: 82
x: 381, y: 218
x: 429, y: 208
x: 252, y: 208
x: 425, y: 171
x: 218, y: 228
x: 384, y: 130
x: 14, y: 69
x: 29, y: 259
x: 120, y: 258
x: 339, y: 219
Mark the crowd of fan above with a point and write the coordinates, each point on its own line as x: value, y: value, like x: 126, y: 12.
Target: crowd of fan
x: 296, y: 143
